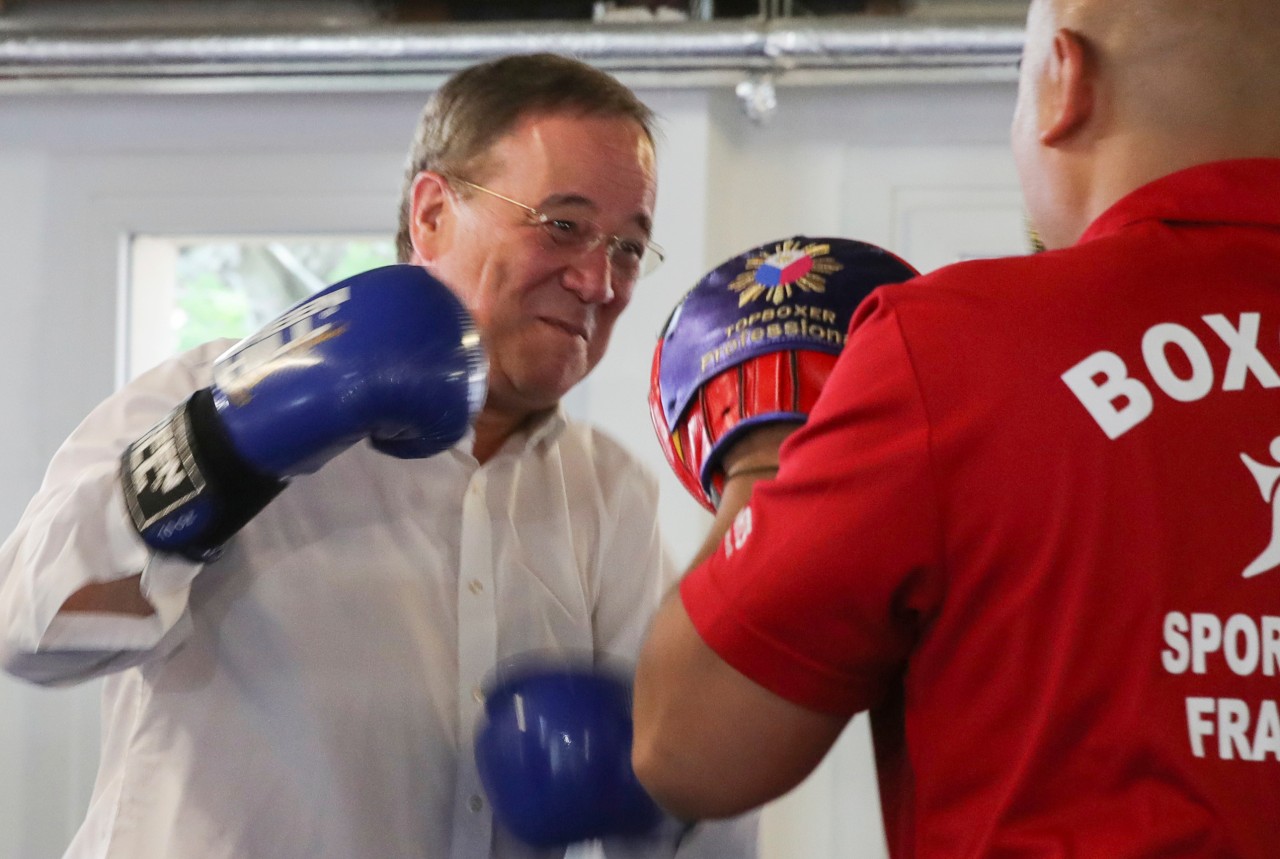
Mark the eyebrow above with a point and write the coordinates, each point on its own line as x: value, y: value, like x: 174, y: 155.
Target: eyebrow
x: 641, y: 219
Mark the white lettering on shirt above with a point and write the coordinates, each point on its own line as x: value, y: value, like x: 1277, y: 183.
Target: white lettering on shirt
x: 736, y: 537
x: 1244, y: 731
x: 1102, y: 384
x: 1203, y: 643
x: 1117, y: 401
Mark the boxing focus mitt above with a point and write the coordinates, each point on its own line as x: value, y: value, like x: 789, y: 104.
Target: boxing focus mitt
x: 752, y: 343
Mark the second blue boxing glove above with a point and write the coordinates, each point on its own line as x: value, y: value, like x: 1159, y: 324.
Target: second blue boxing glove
x: 554, y: 754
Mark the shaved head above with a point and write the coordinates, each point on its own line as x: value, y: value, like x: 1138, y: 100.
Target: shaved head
x: 1190, y: 65
x: 1116, y: 93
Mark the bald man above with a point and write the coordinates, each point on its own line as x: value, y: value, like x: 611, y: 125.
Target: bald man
x: 1023, y: 525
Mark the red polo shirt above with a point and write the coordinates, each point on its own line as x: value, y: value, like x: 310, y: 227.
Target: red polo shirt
x: 1034, y: 526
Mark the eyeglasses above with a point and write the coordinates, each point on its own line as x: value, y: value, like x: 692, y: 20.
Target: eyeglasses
x: 630, y: 256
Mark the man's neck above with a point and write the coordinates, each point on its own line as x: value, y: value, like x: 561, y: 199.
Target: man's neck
x: 495, y: 425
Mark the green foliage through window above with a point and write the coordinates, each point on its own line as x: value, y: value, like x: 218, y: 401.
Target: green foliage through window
x: 232, y: 288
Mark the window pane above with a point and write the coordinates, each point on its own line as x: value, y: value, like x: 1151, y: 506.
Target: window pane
x: 185, y: 291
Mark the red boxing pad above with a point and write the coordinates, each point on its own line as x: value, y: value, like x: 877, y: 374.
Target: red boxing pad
x: 753, y: 343
x: 779, y: 386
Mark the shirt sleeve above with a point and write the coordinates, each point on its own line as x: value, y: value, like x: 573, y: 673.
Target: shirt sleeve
x: 821, y: 585
x: 76, y: 531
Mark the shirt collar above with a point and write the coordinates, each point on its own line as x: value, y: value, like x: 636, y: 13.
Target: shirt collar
x: 1246, y: 191
x: 544, y: 429
x: 539, y: 432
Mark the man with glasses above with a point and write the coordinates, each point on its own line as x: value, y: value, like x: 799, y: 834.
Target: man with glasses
x: 310, y: 686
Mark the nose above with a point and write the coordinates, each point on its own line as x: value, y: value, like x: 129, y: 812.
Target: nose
x: 589, y: 275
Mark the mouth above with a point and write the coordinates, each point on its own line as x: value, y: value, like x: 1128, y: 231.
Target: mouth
x: 573, y: 329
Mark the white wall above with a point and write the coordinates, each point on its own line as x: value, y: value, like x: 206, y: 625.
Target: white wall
x: 920, y: 169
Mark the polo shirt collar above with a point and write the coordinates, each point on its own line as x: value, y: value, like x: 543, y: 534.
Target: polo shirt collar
x: 1245, y: 191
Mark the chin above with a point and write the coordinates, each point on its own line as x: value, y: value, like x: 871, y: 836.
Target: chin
x: 542, y: 372
x: 554, y: 378
x: 540, y: 394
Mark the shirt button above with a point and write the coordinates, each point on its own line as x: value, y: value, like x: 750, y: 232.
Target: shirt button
x: 475, y: 586
x: 478, y: 694
x: 475, y: 804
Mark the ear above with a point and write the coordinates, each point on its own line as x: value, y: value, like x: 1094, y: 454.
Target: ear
x: 428, y: 199
x: 1068, y: 97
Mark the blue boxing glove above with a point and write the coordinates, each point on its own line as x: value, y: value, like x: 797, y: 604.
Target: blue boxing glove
x: 554, y: 754
x: 390, y: 355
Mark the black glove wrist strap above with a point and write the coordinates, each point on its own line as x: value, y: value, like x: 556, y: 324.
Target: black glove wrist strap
x: 188, y: 461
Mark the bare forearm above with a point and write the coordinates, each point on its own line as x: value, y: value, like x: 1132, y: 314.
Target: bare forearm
x: 123, y: 596
x: 709, y: 742
x: 752, y: 459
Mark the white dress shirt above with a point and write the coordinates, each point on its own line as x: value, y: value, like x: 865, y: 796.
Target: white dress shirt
x: 314, y: 692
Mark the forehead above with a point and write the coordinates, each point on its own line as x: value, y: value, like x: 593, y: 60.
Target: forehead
x: 608, y: 161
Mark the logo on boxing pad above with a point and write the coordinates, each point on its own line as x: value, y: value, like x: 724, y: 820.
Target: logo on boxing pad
x: 797, y: 293
x: 775, y: 274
